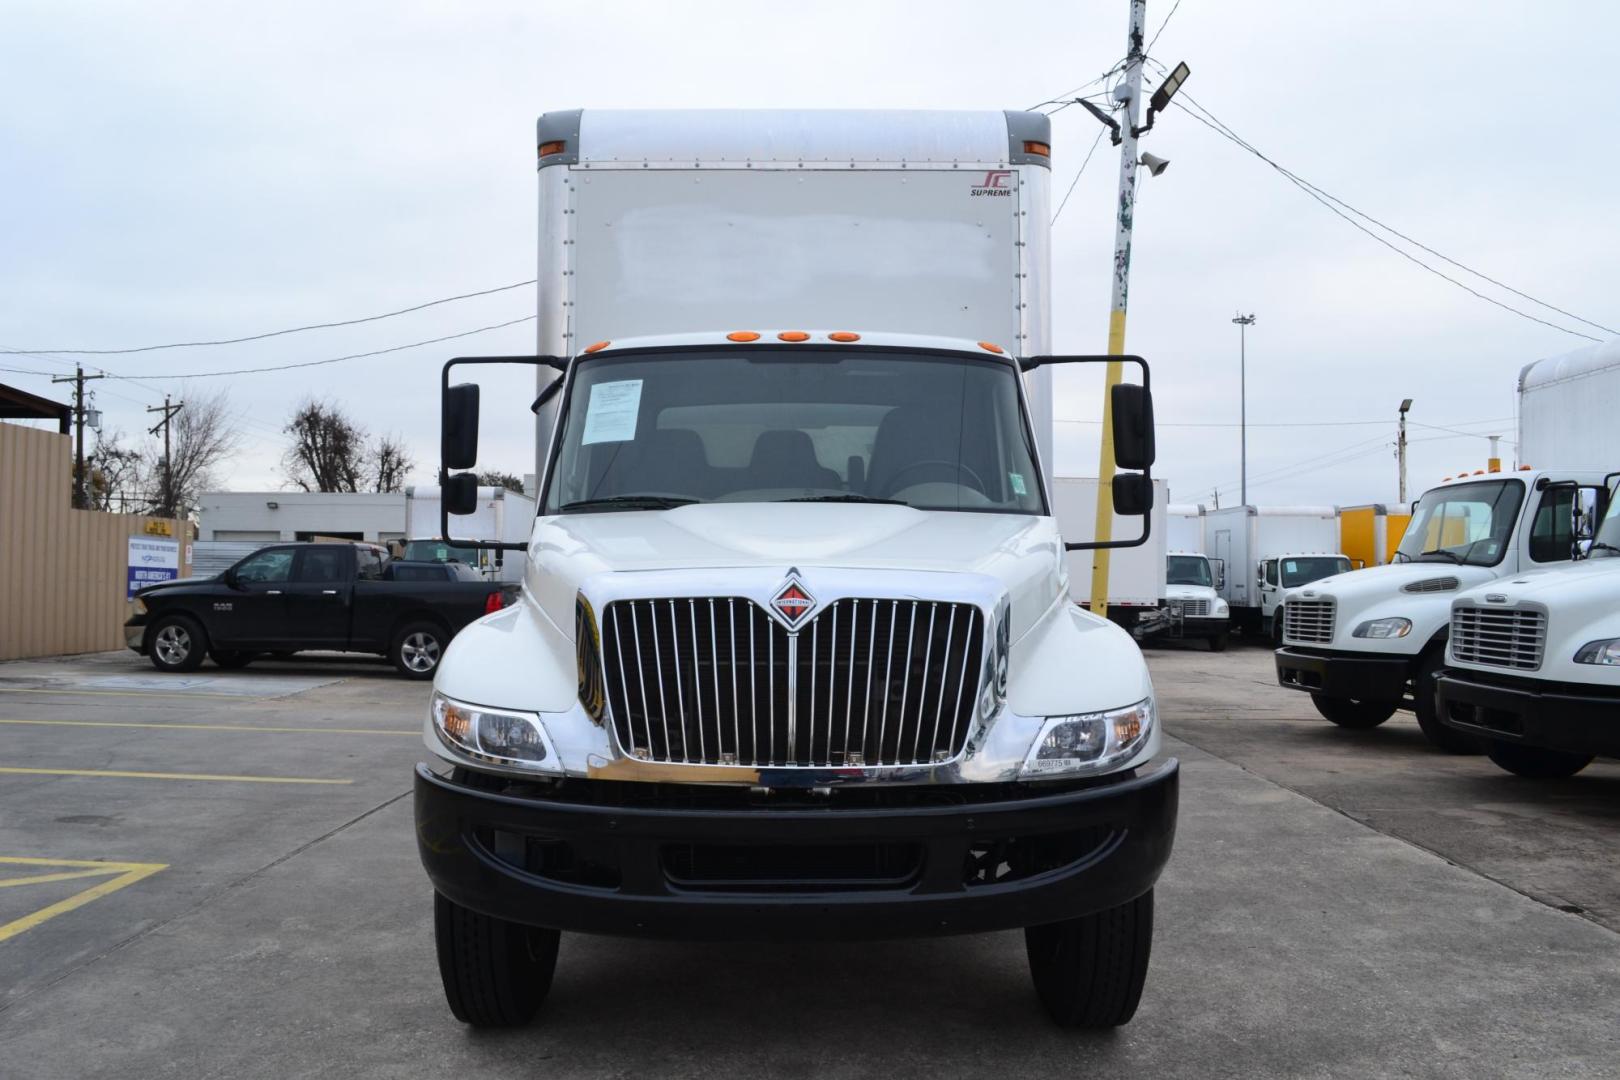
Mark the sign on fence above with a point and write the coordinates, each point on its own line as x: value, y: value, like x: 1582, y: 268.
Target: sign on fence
x: 152, y: 562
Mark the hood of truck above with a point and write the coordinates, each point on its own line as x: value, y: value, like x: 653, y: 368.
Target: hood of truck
x: 1191, y: 592
x: 1021, y: 554
x: 1582, y: 604
x: 1419, y: 591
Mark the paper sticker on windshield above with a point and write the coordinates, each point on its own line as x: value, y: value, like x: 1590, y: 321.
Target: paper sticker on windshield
x: 611, y: 414
x: 1017, y: 483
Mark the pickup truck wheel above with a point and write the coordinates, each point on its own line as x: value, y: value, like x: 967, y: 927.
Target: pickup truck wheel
x: 1089, y: 971
x: 1535, y: 762
x: 496, y: 973
x: 177, y: 644
x: 1425, y: 703
x: 418, y: 648
x: 231, y: 658
x: 1356, y: 715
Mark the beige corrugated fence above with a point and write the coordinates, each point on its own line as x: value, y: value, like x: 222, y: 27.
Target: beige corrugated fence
x: 63, y: 572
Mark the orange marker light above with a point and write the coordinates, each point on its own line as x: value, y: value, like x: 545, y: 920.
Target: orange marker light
x: 598, y: 347
x: 555, y: 146
x: 843, y: 335
x: 742, y: 335
x: 1524, y: 468
x: 1039, y: 148
x: 793, y: 335
x: 988, y: 346
x: 1479, y: 472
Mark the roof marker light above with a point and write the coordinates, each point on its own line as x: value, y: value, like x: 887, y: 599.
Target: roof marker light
x: 990, y: 346
x: 1524, y: 468
x: 742, y: 335
x: 793, y: 335
x: 1040, y: 149
x: 598, y: 347
x: 555, y: 146
x: 843, y: 335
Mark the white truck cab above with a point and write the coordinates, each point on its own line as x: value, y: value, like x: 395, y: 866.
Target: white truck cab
x: 795, y: 656
x: 1196, y: 609
x: 1533, y: 662
x: 1367, y: 643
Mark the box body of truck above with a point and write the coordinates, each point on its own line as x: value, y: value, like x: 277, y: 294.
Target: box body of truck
x: 501, y: 514
x: 1369, y: 534
x: 1246, y: 538
x: 795, y: 655
x: 1567, y: 410
x: 1136, y: 576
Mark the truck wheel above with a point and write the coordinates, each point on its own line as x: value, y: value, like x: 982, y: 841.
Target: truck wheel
x: 1276, y: 629
x: 231, y: 658
x: 1089, y: 971
x: 496, y: 973
x: 178, y: 644
x: 1536, y: 762
x: 418, y: 648
x: 1426, y: 706
x: 1218, y: 642
x: 1356, y: 715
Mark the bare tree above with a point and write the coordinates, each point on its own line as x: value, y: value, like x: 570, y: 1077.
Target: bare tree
x: 328, y: 451
x: 113, y: 478
x: 390, y: 463
x: 496, y: 478
x: 202, y: 435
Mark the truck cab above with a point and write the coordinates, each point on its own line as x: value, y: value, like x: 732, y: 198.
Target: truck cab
x: 1370, y: 642
x: 1277, y: 574
x: 1533, y: 662
x: 1191, y: 598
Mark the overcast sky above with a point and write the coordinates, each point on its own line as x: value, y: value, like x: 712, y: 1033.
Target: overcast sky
x: 180, y: 172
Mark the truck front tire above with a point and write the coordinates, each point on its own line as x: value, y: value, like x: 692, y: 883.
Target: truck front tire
x: 496, y: 973
x: 1355, y: 715
x: 1535, y: 762
x: 1089, y: 971
x: 177, y: 643
x: 1425, y: 703
x: 1217, y: 643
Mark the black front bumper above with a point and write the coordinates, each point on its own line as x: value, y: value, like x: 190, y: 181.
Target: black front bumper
x: 745, y: 872
x: 1520, y: 711
x: 1355, y: 676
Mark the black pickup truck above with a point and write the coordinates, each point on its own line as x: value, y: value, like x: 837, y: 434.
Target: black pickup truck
x: 329, y: 597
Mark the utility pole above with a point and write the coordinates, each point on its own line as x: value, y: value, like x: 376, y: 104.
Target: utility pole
x: 1400, y: 448
x: 1243, y: 324
x: 1129, y: 94
x: 168, y: 412
x: 80, y: 499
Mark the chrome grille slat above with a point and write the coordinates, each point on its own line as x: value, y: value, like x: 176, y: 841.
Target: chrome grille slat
x: 1499, y: 637
x: 679, y: 645
x: 1308, y: 620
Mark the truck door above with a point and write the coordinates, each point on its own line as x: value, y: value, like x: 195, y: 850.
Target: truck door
x: 254, y: 613
x: 1270, y: 591
x: 318, y: 597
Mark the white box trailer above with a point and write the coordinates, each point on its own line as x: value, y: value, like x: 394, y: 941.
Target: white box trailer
x: 501, y: 514
x: 1567, y: 410
x: 1285, y: 542
x: 1136, y: 576
x: 1184, y: 527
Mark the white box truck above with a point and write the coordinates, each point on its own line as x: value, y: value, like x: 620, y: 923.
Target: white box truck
x: 1366, y: 644
x: 1136, y: 576
x: 1533, y: 662
x: 500, y: 514
x: 795, y: 655
x: 1266, y: 550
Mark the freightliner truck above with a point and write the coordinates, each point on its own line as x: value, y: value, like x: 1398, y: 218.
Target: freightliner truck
x: 795, y: 655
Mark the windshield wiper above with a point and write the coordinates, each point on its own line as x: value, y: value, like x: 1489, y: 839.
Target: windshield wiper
x: 849, y: 498
x: 626, y: 502
x: 1599, y: 545
x: 1452, y: 555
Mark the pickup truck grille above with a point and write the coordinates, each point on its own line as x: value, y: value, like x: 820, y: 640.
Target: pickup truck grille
x: 1191, y: 609
x: 718, y: 681
x: 1499, y: 637
x: 1308, y: 620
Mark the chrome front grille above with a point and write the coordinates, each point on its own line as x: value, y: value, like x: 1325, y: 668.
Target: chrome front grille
x: 718, y: 681
x: 1499, y: 637
x: 1192, y: 609
x: 1308, y: 620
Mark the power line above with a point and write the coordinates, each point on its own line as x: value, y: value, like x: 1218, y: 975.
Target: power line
x: 1094, y: 144
x: 1198, y: 112
x: 1070, y: 93
x: 271, y: 333
x: 1162, y: 25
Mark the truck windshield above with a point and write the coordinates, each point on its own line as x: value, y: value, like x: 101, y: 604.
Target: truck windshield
x: 1188, y: 570
x: 1606, y: 544
x: 1302, y: 570
x: 1468, y: 524
x: 439, y: 551
x: 935, y: 431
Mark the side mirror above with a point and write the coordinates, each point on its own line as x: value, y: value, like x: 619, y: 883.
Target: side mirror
x: 458, y: 427
x: 230, y: 579
x: 1133, y: 426
x: 1133, y: 494
x: 460, y: 493
x: 1260, y: 573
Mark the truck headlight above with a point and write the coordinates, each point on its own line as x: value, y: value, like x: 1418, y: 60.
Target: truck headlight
x: 1220, y: 607
x: 1383, y: 628
x: 495, y: 735
x: 1090, y: 742
x: 1604, y: 652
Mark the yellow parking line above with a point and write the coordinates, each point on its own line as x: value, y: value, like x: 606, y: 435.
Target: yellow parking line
x: 19, y: 771
x: 215, y: 727
x: 42, y: 879
x: 142, y: 693
x: 122, y: 874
